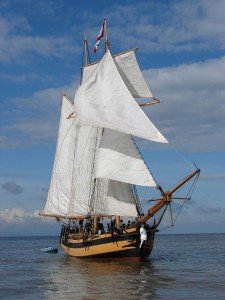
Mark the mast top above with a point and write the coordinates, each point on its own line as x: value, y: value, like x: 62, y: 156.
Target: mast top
x: 86, y: 52
x: 106, y: 37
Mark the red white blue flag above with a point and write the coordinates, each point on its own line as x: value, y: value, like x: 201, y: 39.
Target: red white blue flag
x: 100, y: 35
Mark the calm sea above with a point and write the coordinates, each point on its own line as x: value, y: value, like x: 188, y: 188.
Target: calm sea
x: 181, y: 267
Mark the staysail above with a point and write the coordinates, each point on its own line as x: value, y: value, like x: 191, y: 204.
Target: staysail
x: 118, y: 158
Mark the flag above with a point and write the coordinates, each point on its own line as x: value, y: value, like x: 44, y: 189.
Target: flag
x: 100, y: 35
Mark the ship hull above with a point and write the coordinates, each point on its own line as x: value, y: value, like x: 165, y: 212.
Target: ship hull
x: 125, y: 247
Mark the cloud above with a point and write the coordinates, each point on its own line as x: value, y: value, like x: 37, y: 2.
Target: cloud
x: 36, y: 124
x: 19, y: 42
x: 193, y: 109
x: 12, y: 187
x: 15, y: 215
x: 174, y: 26
x: 18, y: 216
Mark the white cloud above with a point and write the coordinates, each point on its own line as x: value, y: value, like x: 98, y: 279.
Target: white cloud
x: 175, y: 26
x: 15, y: 215
x: 18, y: 42
x: 33, y: 120
x: 193, y: 111
x: 18, y: 216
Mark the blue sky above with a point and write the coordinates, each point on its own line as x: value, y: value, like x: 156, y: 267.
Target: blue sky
x: 182, y: 55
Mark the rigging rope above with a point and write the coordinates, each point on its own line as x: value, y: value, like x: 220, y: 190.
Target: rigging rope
x: 189, y: 194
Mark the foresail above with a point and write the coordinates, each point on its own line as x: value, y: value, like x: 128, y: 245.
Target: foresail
x: 118, y: 158
x: 130, y: 72
x: 59, y: 193
x: 120, y: 199
x: 103, y: 100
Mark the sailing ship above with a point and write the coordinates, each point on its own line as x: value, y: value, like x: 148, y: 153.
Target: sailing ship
x: 98, y: 165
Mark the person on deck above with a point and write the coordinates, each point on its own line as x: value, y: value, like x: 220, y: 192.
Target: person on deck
x: 143, y: 234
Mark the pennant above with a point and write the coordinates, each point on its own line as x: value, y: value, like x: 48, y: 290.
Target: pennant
x: 100, y: 35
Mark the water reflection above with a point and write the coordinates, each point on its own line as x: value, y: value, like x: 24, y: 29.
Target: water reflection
x: 72, y: 278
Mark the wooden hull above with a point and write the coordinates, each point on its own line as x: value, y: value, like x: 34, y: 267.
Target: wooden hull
x: 124, y: 247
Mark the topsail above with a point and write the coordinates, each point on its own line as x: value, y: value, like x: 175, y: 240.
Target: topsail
x: 104, y: 101
x: 130, y: 72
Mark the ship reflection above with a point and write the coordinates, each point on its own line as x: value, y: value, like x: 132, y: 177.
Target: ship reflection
x: 72, y: 278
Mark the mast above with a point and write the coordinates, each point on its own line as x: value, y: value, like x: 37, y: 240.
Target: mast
x: 166, y: 198
x: 106, y: 37
x: 85, y: 58
x: 85, y: 49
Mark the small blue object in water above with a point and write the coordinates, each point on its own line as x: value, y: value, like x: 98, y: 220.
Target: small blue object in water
x: 50, y: 250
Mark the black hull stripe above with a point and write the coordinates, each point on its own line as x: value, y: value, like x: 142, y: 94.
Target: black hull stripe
x: 101, y: 241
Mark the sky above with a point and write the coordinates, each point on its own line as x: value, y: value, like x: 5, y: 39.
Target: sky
x: 182, y: 56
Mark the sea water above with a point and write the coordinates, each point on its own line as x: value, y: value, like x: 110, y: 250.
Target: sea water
x: 180, y: 267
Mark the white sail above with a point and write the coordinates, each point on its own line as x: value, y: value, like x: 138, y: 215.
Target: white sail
x: 87, y: 139
x: 114, y: 198
x: 103, y: 100
x: 130, y: 72
x: 72, y: 177
x: 72, y: 190
x: 96, y: 160
x: 117, y: 158
x: 120, y: 199
x: 59, y: 193
x: 95, y: 196
x: 132, y: 76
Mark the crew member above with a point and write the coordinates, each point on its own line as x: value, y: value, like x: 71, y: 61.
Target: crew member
x: 143, y: 234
